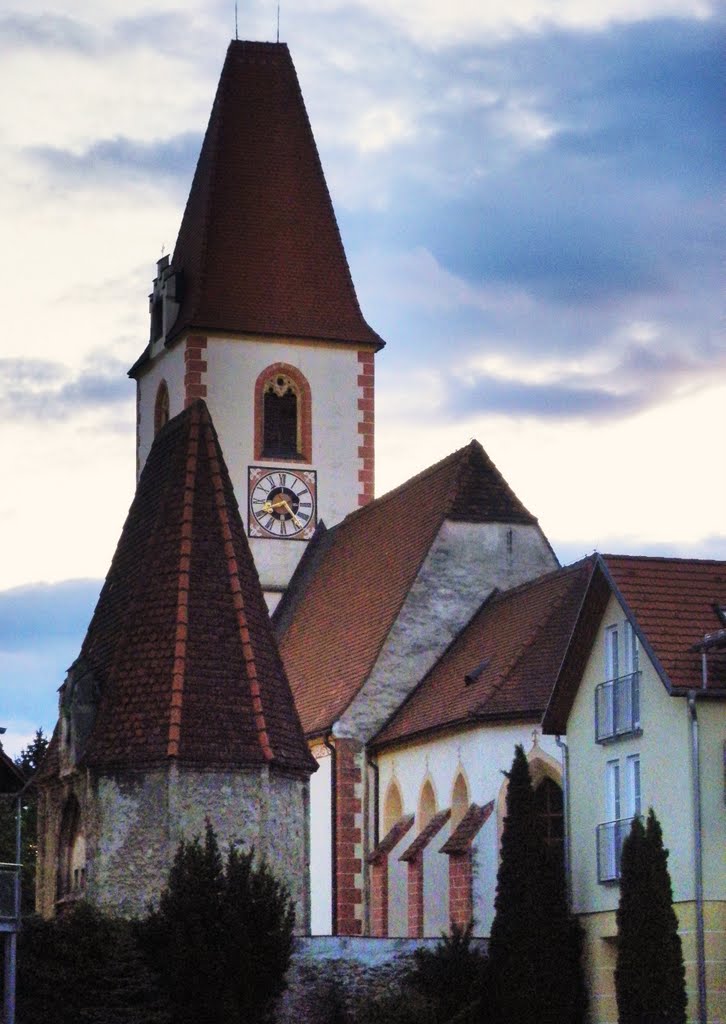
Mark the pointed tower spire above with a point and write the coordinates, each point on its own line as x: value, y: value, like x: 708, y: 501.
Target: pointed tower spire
x: 259, y: 249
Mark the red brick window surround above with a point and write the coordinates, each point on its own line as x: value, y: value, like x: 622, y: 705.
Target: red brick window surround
x: 366, y: 427
x: 283, y: 391
x: 161, y: 407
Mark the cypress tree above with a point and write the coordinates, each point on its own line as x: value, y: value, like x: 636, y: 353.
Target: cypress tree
x: 534, y: 950
x: 649, y: 975
x: 222, y: 937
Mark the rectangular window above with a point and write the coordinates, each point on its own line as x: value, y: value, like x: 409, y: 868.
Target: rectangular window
x: 611, y: 653
x: 632, y: 772
x: 617, y: 700
x: 623, y: 803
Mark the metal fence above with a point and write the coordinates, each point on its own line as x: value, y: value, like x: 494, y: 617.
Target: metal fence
x: 9, y: 896
x: 610, y: 838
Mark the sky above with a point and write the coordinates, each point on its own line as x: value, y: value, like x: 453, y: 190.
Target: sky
x: 531, y: 197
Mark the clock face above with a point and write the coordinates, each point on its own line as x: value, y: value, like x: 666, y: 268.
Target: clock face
x: 283, y: 503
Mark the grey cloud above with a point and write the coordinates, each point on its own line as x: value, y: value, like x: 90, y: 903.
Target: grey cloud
x: 171, y: 159
x: 46, y: 32
x: 42, y: 390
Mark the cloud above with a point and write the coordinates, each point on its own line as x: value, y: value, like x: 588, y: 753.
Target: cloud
x: 110, y: 159
x: 43, y: 390
x: 46, y: 32
x: 41, y: 630
x: 38, y: 611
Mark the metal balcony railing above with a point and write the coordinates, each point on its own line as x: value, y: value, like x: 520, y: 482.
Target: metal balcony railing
x: 9, y: 896
x: 617, y: 707
x: 610, y: 837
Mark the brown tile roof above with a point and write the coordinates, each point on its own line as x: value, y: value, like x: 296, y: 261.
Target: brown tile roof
x: 503, y: 663
x: 180, y: 643
x: 259, y: 247
x: 426, y: 834
x: 671, y: 604
x: 463, y: 835
x: 391, y: 839
x: 347, y: 597
x: 11, y: 776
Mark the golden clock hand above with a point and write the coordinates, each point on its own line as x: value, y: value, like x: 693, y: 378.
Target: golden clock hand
x: 294, y: 518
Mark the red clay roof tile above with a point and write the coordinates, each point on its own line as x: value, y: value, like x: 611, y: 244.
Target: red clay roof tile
x: 502, y: 664
x: 426, y: 834
x: 259, y: 248
x: 463, y: 835
x: 347, y: 595
x: 392, y: 838
x: 180, y: 643
x: 671, y: 602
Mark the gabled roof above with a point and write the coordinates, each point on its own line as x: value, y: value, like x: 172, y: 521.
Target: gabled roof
x: 502, y: 664
x: 347, y: 594
x: 180, y: 645
x: 259, y: 248
x: 12, y: 778
x: 671, y: 603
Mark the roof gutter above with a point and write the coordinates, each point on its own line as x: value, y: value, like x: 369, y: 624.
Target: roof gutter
x: 698, y: 852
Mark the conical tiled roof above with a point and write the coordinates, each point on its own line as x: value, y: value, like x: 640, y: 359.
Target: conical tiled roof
x: 345, y: 597
x: 259, y: 248
x: 180, y: 644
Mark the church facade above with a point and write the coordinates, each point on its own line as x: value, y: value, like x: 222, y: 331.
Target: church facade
x: 357, y: 737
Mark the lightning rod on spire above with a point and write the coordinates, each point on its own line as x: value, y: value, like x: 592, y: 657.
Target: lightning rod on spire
x: 278, y: 23
x: 236, y: 30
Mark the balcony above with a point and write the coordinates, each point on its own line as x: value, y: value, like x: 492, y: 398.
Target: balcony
x: 9, y: 897
x: 610, y: 838
x: 617, y: 708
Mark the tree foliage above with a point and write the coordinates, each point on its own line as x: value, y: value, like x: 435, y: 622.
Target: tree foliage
x: 84, y: 966
x: 28, y: 761
x: 649, y: 976
x: 450, y: 975
x: 535, y: 947
x: 221, y: 939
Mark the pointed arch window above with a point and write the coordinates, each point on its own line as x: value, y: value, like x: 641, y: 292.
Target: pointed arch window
x: 426, y: 804
x: 548, y: 805
x: 161, y: 407
x: 459, y: 800
x: 392, y: 807
x: 283, y: 414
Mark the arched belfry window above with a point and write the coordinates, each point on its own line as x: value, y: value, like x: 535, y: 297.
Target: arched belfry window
x: 282, y: 414
x: 161, y: 407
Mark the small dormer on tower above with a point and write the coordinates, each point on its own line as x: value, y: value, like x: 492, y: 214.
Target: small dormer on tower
x: 164, y: 302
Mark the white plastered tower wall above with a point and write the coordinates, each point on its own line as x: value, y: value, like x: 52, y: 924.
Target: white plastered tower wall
x: 233, y: 366
x: 663, y: 745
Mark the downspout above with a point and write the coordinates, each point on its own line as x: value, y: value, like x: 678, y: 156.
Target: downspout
x: 566, y: 815
x: 333, y: 835
x: 373, y: 762
x: 698, y: 851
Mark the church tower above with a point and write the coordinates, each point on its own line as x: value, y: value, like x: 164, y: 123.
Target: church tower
x: 256, y: 313
x: 177, y: 709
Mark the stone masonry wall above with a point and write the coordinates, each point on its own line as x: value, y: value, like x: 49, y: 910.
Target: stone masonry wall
x: 133, y: 823
x: 330, y: 975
